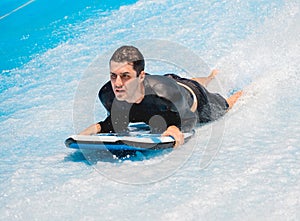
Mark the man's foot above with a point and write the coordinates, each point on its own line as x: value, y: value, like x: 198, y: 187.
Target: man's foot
x: 213, y: 74
x: 233, y: 98
x: 204, y: 81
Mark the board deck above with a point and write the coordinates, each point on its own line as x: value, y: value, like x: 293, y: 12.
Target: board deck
x: 128, y: 142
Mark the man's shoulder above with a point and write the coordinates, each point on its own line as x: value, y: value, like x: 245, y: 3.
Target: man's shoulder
x: 106, y: 86
x: 154, y: 80
x: 162, y: 85
x: 106, y: 94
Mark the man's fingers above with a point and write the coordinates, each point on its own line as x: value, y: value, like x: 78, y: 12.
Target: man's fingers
x: 176, y: 134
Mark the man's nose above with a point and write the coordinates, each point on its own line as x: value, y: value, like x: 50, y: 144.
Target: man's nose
x: 119, y: 81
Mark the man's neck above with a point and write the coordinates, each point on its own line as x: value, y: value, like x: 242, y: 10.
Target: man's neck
x: 140, y: 95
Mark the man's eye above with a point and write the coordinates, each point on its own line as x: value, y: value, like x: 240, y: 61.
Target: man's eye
x: 125, y: 76
x: 113, y: 76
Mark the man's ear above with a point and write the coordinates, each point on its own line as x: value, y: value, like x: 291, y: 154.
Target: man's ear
x: 142, y: 75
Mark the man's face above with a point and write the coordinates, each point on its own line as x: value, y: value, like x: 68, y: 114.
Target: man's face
x: 125, y: 83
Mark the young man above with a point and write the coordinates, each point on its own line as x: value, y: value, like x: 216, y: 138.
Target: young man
x: 169, y: 104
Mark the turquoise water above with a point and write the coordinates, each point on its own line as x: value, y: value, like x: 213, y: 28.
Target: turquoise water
x: 33, y: 27
x: 243, y: 166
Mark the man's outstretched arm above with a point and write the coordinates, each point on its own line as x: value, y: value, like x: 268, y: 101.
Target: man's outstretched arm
x: 93, y: 129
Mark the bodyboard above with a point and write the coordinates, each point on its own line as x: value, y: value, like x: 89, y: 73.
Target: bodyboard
x: 123, y: 142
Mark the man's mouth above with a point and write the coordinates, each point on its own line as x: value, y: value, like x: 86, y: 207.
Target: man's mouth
x: 119, y: 90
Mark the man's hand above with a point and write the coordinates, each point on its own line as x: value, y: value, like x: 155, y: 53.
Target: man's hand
x: 176, y: 134
x: 93, y: 129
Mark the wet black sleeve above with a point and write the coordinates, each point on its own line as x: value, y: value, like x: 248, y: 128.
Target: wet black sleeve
x: 106, y: 97
x: 180, y: 114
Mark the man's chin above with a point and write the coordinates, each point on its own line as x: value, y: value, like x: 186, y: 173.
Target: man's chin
x: 120, y: 97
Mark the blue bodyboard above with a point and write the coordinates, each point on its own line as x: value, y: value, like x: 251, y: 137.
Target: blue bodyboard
x: 138, y: 138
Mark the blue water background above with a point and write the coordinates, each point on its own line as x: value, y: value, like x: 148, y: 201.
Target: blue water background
x: 48, y: 49
x: 35, y: 27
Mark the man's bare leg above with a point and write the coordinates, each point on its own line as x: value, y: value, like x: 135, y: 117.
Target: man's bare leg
x: 204, y: 81
x: 233, y: 98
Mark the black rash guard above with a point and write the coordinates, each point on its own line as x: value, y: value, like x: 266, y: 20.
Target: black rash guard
x: 165, y: 103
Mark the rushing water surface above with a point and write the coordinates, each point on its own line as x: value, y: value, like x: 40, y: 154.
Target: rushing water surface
x: 244, y: 166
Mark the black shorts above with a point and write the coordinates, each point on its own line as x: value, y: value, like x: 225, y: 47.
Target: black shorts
x: 211, y: 106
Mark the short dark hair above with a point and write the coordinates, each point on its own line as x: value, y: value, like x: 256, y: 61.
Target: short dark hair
x: 130, y: 54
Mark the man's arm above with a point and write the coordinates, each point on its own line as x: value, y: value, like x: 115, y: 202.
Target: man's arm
x: 106, y: 97
x: 185, y: 119
x: 178, y: 97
